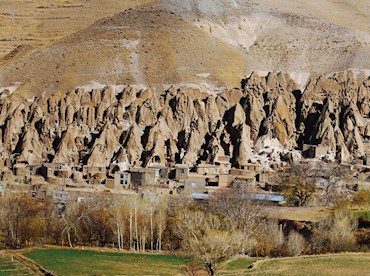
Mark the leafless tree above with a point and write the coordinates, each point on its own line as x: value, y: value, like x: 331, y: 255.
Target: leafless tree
x: 13, y: 212
x: 240, y: 208
x: 161, y: 224
x: 209, y: 238
x: 119, y: 214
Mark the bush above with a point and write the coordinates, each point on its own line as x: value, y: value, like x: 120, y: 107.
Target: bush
x: 296, y: 244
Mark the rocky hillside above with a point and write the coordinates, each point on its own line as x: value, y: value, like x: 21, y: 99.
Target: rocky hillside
x: 192, y: 53
x: 205, y: 43
x: 268, y: 120
x: 37, y: 24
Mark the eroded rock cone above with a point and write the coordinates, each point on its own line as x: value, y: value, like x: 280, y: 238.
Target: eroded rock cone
x: 267, y: 120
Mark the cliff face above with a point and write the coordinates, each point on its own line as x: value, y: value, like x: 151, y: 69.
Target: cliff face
x: 268, y: 120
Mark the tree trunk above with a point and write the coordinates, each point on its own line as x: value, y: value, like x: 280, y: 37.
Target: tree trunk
x: 136, y: 231
x: 131, y: 238
x: 118, y: 237
x: 151, y: 229
x: 210, y: 270
x: 69, y: 238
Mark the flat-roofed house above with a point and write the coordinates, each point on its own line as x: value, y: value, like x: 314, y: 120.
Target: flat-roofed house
x: 181, y: 172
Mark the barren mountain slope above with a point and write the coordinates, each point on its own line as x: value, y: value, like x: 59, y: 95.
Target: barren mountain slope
x: 146, y: 46
x: 208, y: 43
x: 39, y: 23
x: 280, y: 39
x: 350, y: 13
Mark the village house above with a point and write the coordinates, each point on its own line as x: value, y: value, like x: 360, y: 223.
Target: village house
x: 121, y: 180
x: 39, y: 194
x: 240, y: 174
x: 62, y: 170
x: 6, y: 174
x: 181, y: 172
x: 203, y: 168
x: 223, y: 162
x: 314, y: 151
x: 22, y: 169
x: 142, y: 177
x: 60, y: 196
x: 94, y: 175
x: 194, y: 185
x: 93, y: 169
x: 161, y: 172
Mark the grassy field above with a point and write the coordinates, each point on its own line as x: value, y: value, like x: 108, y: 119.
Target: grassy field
x: 339, y: 264
x: 78, y: 262
x: 9, y: 266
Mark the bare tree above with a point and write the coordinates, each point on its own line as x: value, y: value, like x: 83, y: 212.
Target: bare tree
x: 13, y: 212
x: 77, y: 212
x: 240, y: 208
x: 161, y: 224
x: 209, y: 238
x: 119, y: 214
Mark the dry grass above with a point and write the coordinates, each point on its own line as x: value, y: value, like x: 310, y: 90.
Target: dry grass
x: 312, y: 214
x: 338, y: 264
x: 42, y: 22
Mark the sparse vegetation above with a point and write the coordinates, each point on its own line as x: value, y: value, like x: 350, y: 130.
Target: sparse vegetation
x: 335, y: 233
x: 341, y: 264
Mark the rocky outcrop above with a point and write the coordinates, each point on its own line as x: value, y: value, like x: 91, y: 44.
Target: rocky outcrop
x: 268, y: 120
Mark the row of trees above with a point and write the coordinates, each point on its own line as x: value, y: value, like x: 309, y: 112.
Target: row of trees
x: 128, y: 222
x: 229, y: 224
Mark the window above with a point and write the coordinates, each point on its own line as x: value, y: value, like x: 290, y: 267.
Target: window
x: 121, y: 182
x: 181, y: 171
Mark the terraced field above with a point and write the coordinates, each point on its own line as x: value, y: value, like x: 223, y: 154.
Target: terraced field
x: 11, y: 266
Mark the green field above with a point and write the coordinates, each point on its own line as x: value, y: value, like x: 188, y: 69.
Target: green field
x: 79, y: 262
x: 9, y: 266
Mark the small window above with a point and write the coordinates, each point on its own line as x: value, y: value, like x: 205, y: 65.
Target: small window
x: 121, y: 182
x: 181, y: 171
